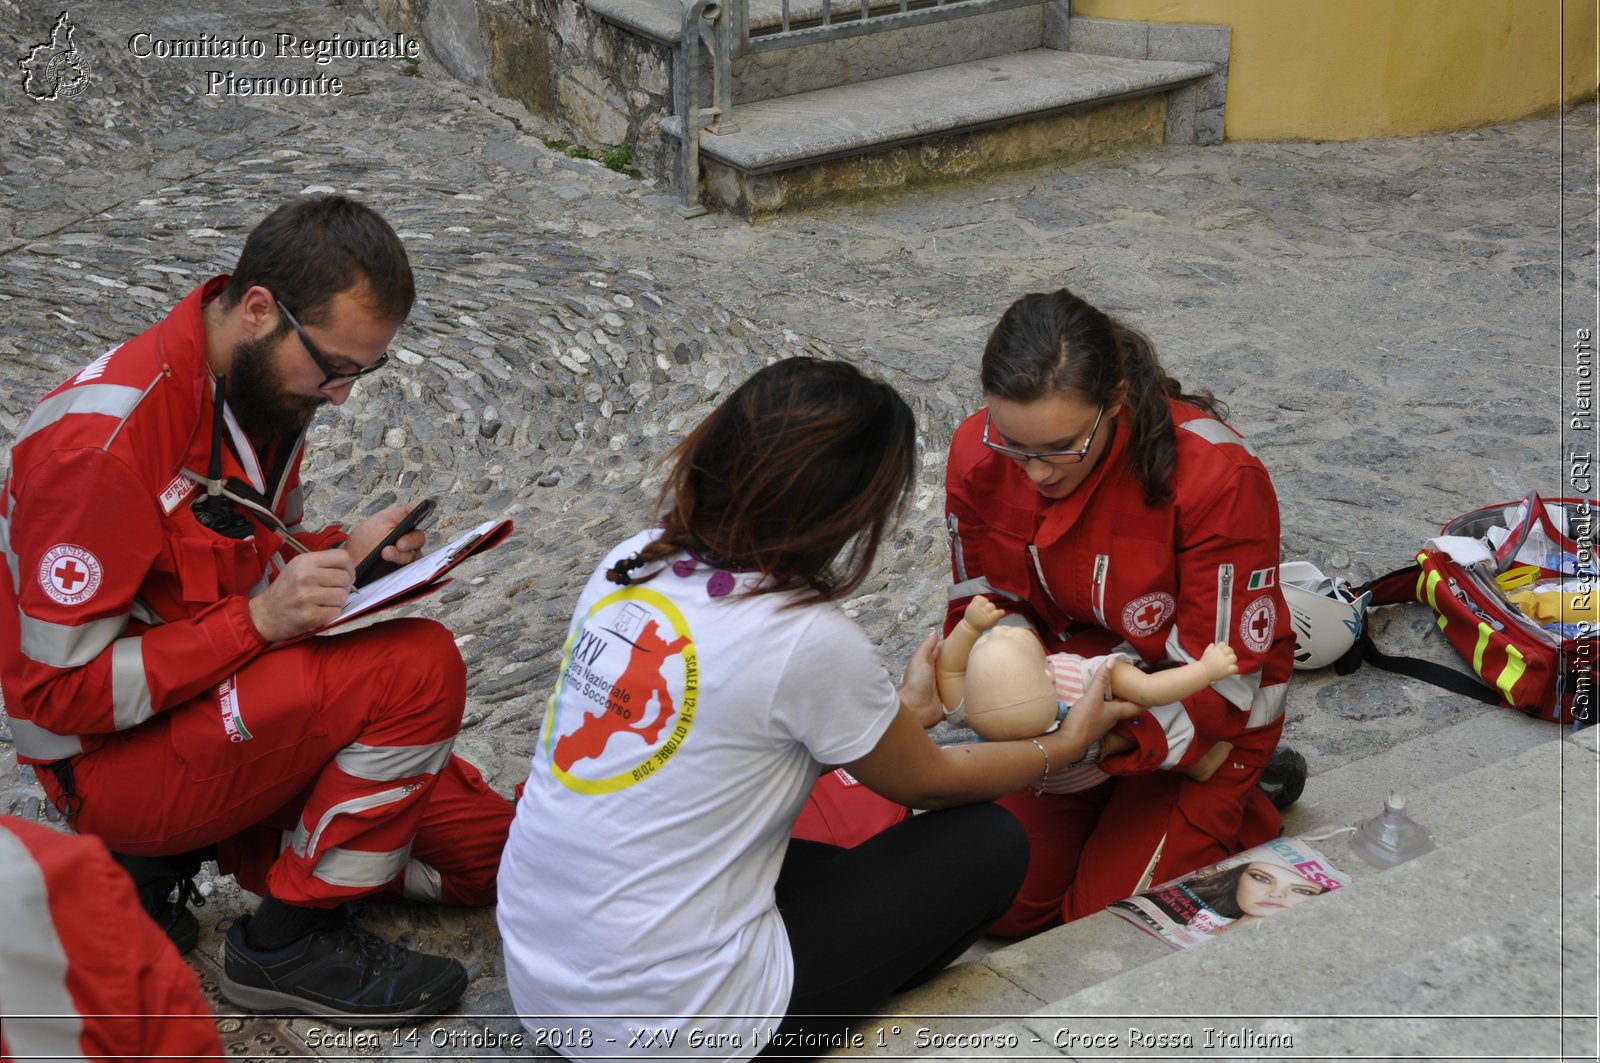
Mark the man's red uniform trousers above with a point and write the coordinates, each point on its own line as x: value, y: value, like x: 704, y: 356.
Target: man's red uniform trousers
x: 331, y: 779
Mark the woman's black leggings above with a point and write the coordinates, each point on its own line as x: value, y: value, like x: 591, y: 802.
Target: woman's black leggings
x: 886, y: 916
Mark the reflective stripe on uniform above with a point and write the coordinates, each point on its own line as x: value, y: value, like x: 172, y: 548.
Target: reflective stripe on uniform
x: 980, y: 585
x: 67, y: 645
x: 958, y: 557
x: 36, y: 743
x: 1174, y: 721
x: 110, y: 400
x: 130, y: 688
x: 304, y: 842
x: 1038, y: 570
x: 1269, y: 704
x: 423, y: 883
x: 11, y: 558
x: 355, y: 869
x: 295, y: 507
x: 145, y: 615
x: 1243, y: 691
x: 42, y: 1020
x: 1216, y: 432
x: 388, y: 763
x: 1097, y: 596
x: 1147, y: 876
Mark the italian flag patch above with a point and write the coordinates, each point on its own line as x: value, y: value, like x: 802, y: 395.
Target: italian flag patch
x: 1262, y: 578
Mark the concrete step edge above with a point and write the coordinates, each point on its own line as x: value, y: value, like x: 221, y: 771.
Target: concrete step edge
x: 850, y: 119
x: 1356, y: 789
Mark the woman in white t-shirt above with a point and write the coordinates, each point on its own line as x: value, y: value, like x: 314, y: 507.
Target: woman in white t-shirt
x: 651, y: 900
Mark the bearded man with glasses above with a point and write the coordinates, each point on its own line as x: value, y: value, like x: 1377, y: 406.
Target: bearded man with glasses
x: 155, y: 571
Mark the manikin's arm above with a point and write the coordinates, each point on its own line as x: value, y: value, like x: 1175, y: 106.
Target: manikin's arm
x: 1173, y: 684
x: 951, y: 666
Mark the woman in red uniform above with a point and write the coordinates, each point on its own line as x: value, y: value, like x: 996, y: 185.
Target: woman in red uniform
x: 1099, y: 504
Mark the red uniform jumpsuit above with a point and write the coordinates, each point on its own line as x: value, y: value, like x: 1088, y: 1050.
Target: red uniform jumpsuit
x: 1101, y: 567
x: 322, y: 769
x: 84, y: 974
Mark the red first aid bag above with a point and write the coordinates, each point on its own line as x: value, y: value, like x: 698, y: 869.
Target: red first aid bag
x: 843, y: 812
x: 1514, y: 588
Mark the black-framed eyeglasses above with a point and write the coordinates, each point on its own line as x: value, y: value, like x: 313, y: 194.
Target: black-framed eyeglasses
x: 332, y: 377
x: 1051, y: 457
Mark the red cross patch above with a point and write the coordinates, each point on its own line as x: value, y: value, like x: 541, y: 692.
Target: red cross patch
x: 69, y: 574
x: 1145, y: 614
x: 1259, y: 621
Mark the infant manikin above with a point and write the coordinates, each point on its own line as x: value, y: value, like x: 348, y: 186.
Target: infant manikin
x: 997, y: 680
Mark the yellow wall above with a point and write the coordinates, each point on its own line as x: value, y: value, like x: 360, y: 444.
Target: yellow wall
x: 1341, y: 69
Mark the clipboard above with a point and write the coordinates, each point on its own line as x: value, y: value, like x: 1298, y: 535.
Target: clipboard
x: 421, y: 577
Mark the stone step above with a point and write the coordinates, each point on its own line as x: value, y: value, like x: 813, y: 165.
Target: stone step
x: 1461, y: 782
x: 1500, y: 922
x: 1356, y: 790
x: 1466, y: 953
x: 954, y: 121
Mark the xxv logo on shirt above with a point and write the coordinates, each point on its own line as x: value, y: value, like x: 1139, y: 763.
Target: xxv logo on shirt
x: 629, y: 672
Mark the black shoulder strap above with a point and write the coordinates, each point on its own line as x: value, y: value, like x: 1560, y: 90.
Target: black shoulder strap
x: 1395, y: 588
x: 1440, y: 675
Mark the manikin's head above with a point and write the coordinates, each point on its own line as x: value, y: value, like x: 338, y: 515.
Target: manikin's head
x: 1010, y: 691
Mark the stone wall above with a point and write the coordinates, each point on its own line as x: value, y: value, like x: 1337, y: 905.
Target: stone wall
x: 1194, y: 113
x: 559, y: 58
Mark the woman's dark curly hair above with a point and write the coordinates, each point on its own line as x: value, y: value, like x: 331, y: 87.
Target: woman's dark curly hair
x: 1053, y: 342
x: 798, y: 474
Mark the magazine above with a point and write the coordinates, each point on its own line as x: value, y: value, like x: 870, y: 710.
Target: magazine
x: 1239, y: 891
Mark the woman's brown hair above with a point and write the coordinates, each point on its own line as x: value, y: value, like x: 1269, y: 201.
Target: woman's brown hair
x: 798, y: 474
x: 1219, y: 890
x: 1052, y: 342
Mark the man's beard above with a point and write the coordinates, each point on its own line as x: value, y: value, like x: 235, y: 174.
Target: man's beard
x: 257, y: 397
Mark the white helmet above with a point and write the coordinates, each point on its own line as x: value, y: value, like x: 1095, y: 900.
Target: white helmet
x: 1327, y: 615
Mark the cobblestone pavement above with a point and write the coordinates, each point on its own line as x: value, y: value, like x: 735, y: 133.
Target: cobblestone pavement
x: 1384, y: 318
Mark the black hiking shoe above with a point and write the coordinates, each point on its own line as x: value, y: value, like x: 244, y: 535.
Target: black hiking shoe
x: 166, y: 888
x: 1284, y: 778
x: 342, y: 974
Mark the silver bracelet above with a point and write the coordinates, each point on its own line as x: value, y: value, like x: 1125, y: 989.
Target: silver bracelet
x: 1093, y: 753
x: 1039, y: 787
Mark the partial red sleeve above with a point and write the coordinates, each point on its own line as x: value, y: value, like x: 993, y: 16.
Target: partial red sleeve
x: 84, y: 664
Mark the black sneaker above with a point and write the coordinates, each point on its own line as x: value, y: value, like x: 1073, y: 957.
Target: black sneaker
x: 342, y: 974
x: 1284, y: 778
x: 166, y: 888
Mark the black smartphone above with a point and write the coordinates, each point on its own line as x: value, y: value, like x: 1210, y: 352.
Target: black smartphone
x: 373, y: 565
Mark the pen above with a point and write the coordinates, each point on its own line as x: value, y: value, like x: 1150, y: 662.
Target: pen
x: 465, y: 548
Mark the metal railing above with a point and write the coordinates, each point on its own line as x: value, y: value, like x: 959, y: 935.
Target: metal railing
x: 715, y: 32
x: 707, y: 40
x: 838, y: 19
